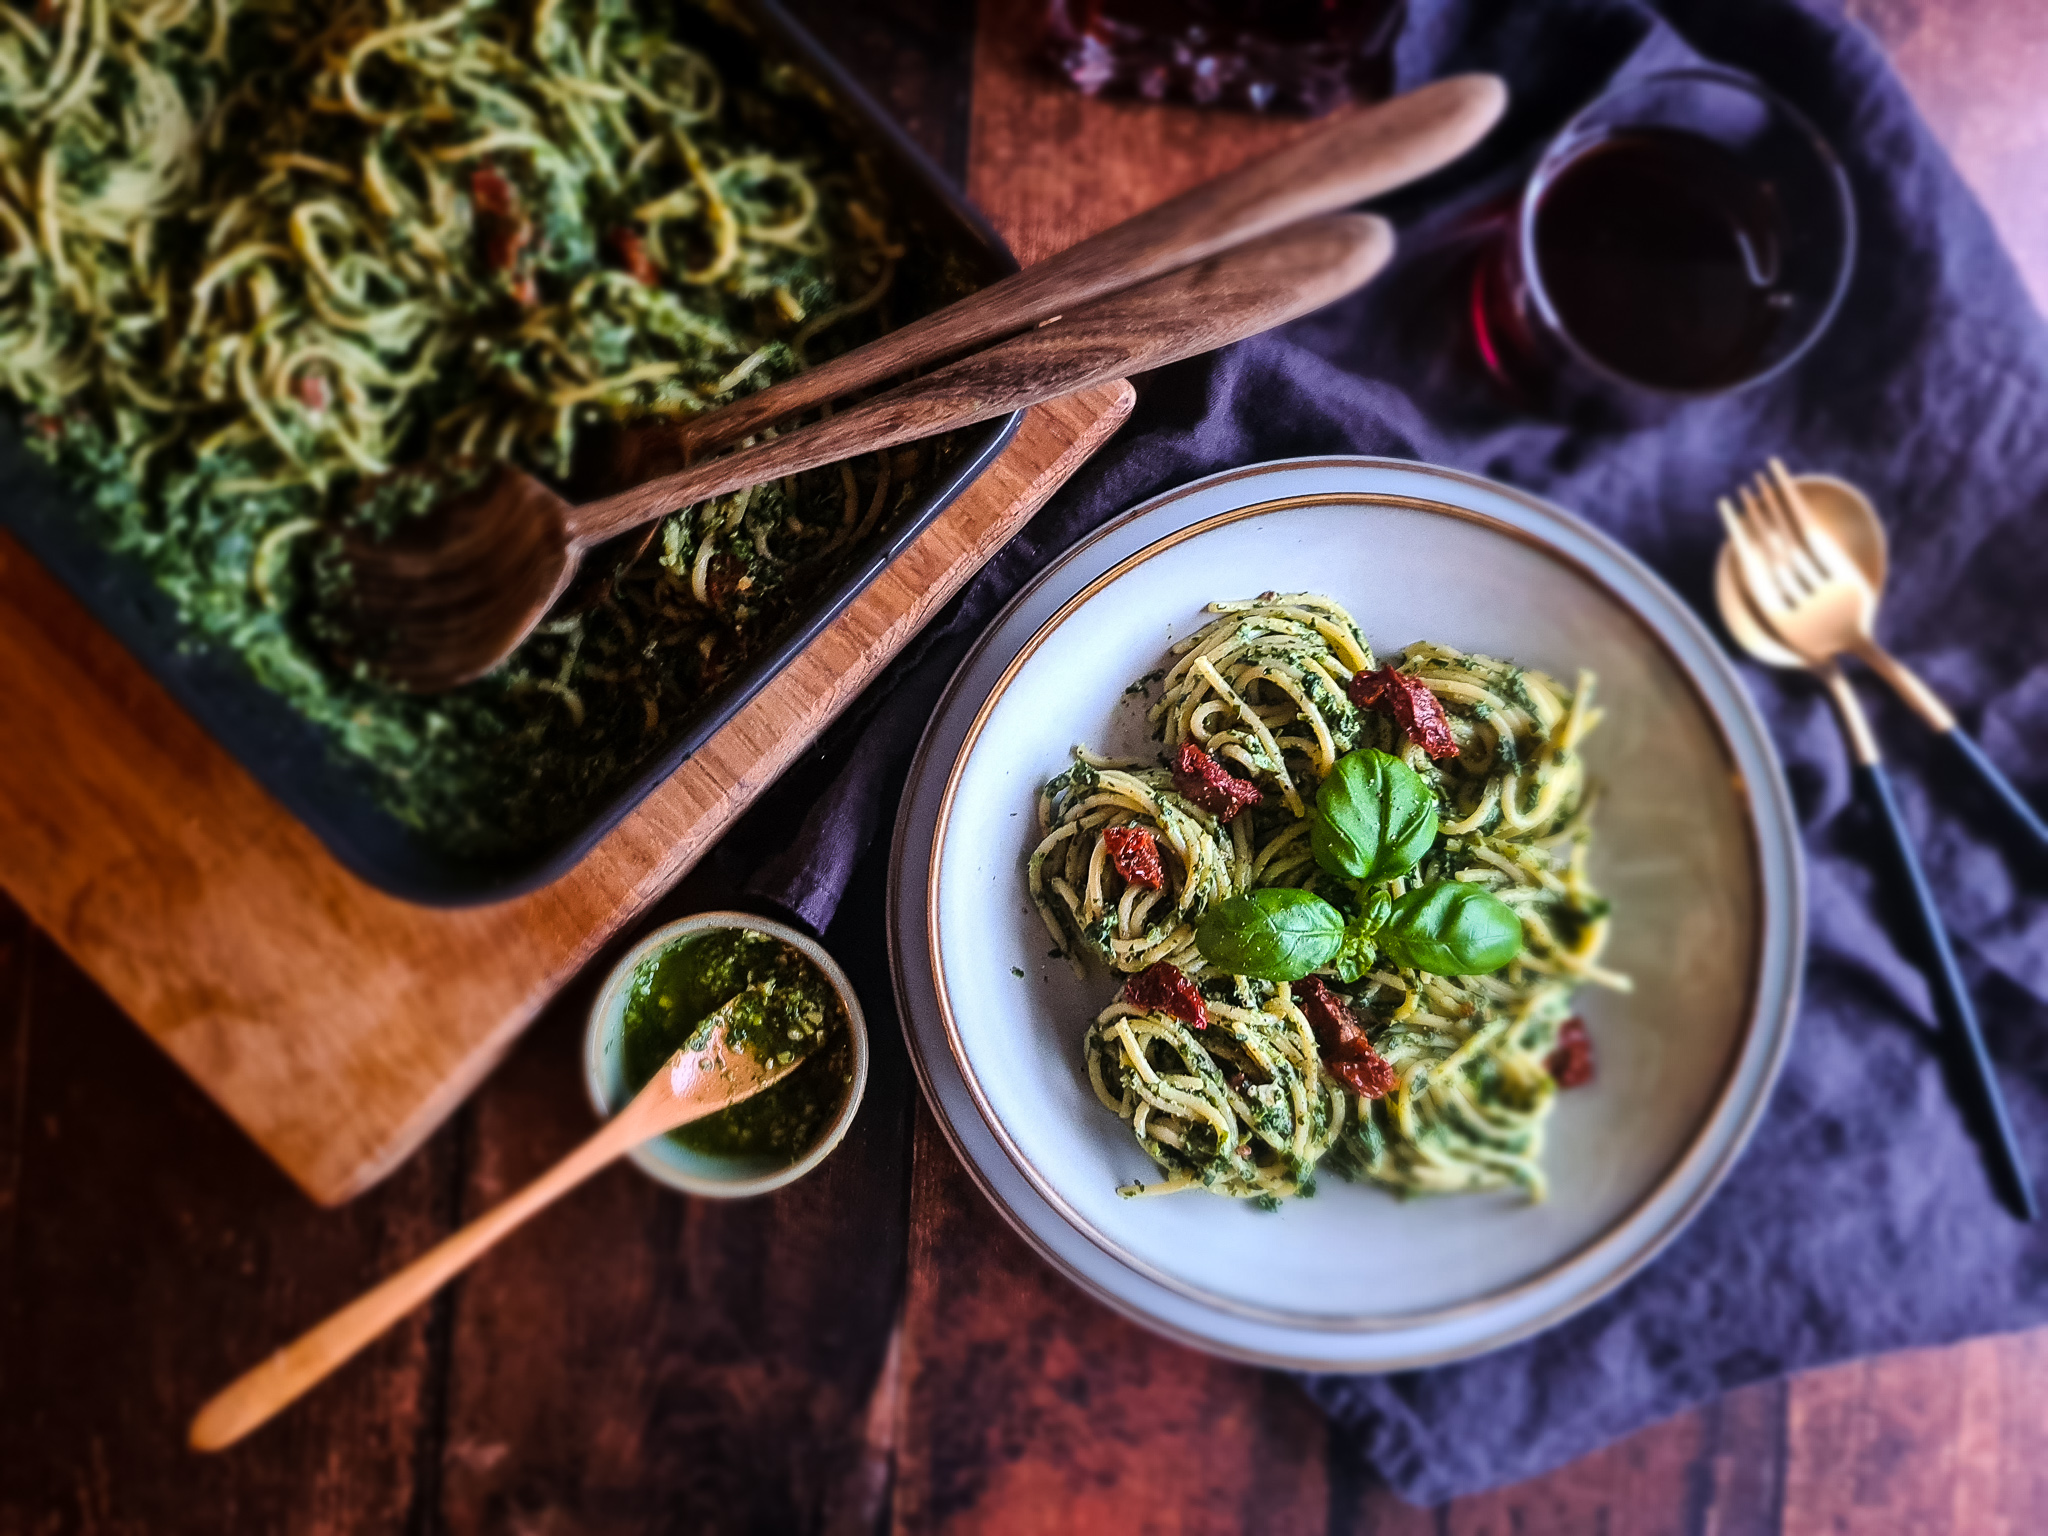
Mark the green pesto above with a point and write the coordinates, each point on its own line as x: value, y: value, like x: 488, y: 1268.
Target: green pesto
x: 231, y: 495
x: 798, y: 1014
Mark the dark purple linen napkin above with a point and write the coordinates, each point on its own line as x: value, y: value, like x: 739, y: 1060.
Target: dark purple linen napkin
x: 1861, y: 1218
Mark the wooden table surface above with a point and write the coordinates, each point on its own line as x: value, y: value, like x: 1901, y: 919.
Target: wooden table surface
x: 872, y: 1349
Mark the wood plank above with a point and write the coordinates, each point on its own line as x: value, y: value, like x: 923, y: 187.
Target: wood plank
x: 1026, y: 1406
x: 1050, y: 166
x: 1740, y: 1480
x: 1975, y: 69
x: 1029, y: 1407
x: 148, y: 1257
x: 1640, y: 1485
x: 1715, y: 1472
x: 1930, y: 1440
x: 335, y: 1024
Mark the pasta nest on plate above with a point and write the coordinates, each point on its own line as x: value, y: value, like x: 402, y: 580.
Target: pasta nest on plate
x: 1242, y: 1107
x: 1246, y: 1105
x: 1261, y: 690
x: 1088, y: 906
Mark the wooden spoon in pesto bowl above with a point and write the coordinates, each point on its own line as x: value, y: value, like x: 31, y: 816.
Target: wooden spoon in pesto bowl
x: 738, y: 1051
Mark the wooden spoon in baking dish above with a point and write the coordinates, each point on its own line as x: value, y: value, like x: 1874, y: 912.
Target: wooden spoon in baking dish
x: 1358, y: 155
x: 451, y: 594
x: 1332, y: 167
x: 693, y: 1084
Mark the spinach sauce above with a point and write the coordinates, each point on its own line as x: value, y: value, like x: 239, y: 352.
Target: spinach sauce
x: 675, y: 989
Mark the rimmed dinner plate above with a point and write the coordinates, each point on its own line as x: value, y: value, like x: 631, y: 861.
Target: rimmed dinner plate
x: 1695, y: 845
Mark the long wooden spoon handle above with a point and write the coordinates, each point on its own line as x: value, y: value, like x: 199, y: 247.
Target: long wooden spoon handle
x: 1195, y: 309
x: 254, y: 1397
x: 1353, y: 158
x: 698, y: 1080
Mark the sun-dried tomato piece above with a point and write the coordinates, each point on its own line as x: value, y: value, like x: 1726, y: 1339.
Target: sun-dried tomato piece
x: 1134, y: 851
x: 1328, y: 1015
x: 504, y: 231
x: 1414, y: 708
x: 1369, y: 1074
x: 1305, y: 56
x: 311, y: 388
x: 503, y: 241
x: 1164, y: 989
x: 1571, y: 1063
x: 1210, y: 785
x: 492, y: 193
x: 632, y: 252
x: 1345, y: 1050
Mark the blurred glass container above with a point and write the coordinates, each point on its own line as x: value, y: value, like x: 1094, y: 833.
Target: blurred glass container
x: 1294, y: 56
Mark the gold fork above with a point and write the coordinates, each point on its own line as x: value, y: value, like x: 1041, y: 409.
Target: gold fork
x: 1804, y: 596
x: 1809, y: 589
x: 1814, y: 595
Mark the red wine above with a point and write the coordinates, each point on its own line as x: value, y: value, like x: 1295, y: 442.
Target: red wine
x: 1661, y: 257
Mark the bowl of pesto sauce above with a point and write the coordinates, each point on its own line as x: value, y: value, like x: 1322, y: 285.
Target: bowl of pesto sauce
x: 669, y: 983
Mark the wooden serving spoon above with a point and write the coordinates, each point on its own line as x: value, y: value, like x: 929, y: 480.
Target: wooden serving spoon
x: 1344, y: 162
x: 693, y: 1084
x: 1333, y: 167
x: 451, y: 595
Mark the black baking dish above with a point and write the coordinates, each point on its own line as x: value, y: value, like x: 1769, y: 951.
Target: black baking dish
x: 294, y: 761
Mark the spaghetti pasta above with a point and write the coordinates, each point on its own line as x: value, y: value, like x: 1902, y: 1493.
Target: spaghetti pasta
x: 256, y: 254
x: 1074, y: 882
x: 1243, y: 1108
x: 1250, y: 1105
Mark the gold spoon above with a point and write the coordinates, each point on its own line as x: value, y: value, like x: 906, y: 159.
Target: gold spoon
x: 1832, y: 510
x: 452, y: 594
x: 1788, y: 608
x: 693, y: 1084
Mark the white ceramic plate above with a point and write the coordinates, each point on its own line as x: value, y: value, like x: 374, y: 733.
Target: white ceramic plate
x: 1695, y: 845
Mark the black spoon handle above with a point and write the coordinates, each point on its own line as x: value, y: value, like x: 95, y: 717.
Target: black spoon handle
x: 1931, y: 707
x: 2016, y: 804
x: 1951, y: 995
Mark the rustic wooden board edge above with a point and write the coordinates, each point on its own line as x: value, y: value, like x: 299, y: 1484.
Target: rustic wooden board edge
x: 330, y: 1021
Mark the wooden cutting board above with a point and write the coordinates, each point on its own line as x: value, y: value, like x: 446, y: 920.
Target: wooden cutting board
x: 335, y: 1024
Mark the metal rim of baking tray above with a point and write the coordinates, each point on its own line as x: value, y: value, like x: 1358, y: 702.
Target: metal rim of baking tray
x: 297, y: 763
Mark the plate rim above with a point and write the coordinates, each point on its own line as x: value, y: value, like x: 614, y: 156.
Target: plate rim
x: 1763, y: 798
x: 1049, y: 1191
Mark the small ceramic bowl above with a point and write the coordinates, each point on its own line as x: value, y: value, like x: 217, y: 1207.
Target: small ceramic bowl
x: 702, y: 1173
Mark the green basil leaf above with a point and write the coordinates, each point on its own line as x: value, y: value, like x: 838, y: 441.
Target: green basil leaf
x: 1452, y: 929
x: 1374, y: 818
x: 1278, y: 935
x: 1356, y: 956
x: 1378, y: 905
